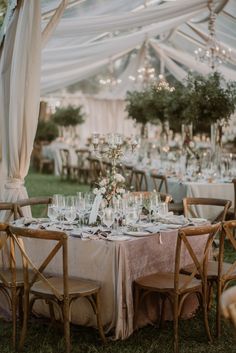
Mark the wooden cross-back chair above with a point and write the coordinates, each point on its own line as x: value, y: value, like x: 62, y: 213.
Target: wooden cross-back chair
x: 138, y: 180
x: 83, y: 164
x: 96, y: 170
x: 11, y: 279
x: 160, y: 182
x: 219, y: 273
x: 222, y: 204
x: 177, y: 287
x: 10, y: 210
x: 36, y: 203
x: 61, y: 291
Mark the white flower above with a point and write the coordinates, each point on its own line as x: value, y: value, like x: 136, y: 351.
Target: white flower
x: 103, y: 182
x: 96, y: 191
x: 102, y: 190
x: 119, y: 178
x: 121, y: 191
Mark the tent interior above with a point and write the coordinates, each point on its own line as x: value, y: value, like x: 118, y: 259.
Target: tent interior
x: 95, y: 39
x: 51, y: 48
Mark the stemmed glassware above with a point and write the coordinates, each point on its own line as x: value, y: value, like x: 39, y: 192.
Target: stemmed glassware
x: 108, y: 217
x: 70, y: 208
x: 59, y: 204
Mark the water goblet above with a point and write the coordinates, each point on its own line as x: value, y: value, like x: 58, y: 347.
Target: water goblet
x: 108, y: 217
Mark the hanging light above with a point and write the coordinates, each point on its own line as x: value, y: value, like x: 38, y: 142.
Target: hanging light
x: 162, y: 84
x: 110, y: 81
x: 212, y: 54
x: 145, y: 74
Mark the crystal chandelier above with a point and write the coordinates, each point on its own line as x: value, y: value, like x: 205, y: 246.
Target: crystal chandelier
x: 212, y: 54
x: 145, y: 74
x: 163, y: 84
x: 110, y: 81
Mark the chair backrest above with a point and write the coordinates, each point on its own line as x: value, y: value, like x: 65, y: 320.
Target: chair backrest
x: 139, y: 180
x: 159, y: 182
x: 9, y: 210
x: 228, y: 233
x: 6, y: 250
x: 200, y: 261
x: 82, y: 155
x: 234, y: 182
x: 96, y: 168
x: 224, y: 205
x: 59, y: 241
x: 64, y: 154
x: 38, y: 205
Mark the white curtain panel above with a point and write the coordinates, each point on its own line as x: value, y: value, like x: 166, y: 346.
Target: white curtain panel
x: 20, y: 95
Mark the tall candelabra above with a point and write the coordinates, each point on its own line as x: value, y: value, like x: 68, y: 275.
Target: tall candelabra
x: 113, y: 146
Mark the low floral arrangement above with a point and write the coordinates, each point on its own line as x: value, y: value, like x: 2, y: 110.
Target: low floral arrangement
x: 113, y: 185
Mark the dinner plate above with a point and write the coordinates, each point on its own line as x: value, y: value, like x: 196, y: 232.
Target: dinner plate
x: 117, y: 238
x: 137, y: 234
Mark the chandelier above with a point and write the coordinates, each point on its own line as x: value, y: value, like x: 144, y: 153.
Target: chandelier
x: 162, y: 84
x: 145, y: 74
x: 212, y: 54
x: 110, y: 81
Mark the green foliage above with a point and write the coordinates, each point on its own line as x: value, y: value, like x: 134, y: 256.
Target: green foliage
x: 3, y: 9
x: 46, y: 131
x: 68, y: 116
x: 176, y: 104
x: 147, y: 106
x: 210, y: 99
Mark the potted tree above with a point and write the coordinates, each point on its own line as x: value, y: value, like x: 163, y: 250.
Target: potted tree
x: 68, y: 117
x: 211, y: 102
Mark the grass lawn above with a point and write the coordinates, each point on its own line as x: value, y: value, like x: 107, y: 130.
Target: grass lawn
x: 44, y: 338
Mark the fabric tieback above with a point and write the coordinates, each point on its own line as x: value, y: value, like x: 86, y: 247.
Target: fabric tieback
x: 14, y: 183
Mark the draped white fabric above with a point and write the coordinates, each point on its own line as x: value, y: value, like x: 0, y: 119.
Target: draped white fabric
x: 20, y: 94
x: 81, y: 46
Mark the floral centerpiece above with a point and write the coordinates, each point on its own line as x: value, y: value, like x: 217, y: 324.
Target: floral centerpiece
x: 111, y: 186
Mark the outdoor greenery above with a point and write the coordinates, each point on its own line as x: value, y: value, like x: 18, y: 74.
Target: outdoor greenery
x: 46, y: 131
x: 3, y: 8
x: 202, y: 100
x: 211, y: 99
x: 68, y: 116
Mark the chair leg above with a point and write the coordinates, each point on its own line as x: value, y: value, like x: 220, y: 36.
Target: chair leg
x: 99, y: 321
x: 176, y: 323
x: 218, y: 312
x: 14, y: 314
x: 66, y: 324
x: 205, y: 303
x: 25, y: 319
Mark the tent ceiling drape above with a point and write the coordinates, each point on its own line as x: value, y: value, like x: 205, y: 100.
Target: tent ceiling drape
x: 85, y: 41
x: 90, y: 34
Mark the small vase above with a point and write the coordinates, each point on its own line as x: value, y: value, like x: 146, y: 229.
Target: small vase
x: 216, y: 136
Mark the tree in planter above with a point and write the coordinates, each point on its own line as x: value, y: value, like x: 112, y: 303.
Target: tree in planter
x: 211, y: 100
x: 176, y: 104
x: 140, y: 108
x: 68, y: 116
x: 46, y: 131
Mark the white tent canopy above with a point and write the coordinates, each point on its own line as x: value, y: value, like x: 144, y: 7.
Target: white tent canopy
x: 79, y: 38
x: 95, y: 32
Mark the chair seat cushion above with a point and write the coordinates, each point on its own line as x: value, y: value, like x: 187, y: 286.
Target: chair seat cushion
x: 165, y: 281
x: 77, y: 287
x: 212, y: 270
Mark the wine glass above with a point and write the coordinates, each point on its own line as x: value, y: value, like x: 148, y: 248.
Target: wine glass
x: 108, y: 217
x: 131, y: 216
x: 163, y: 209
x: 52, y: 213
x: 81, y: 208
